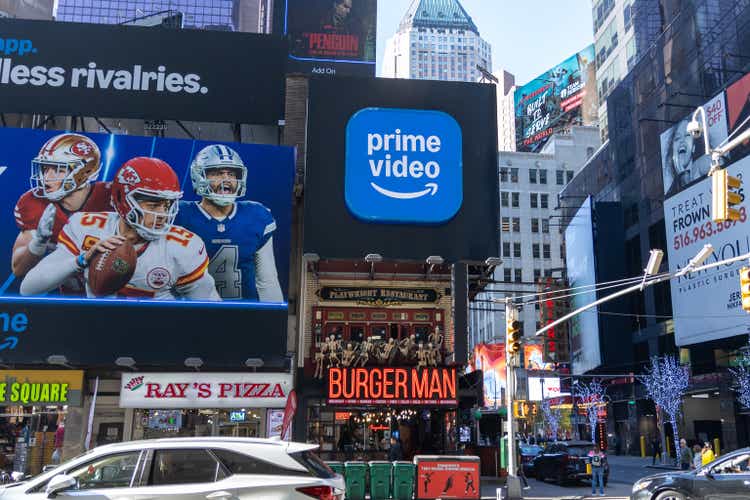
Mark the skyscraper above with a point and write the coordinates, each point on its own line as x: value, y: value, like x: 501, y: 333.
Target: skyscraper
x: 437, y: 40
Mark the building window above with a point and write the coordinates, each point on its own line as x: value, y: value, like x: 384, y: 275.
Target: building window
x: 513, y: 175
x: 532, y: 176
x: 542, y: 177
x: 570, y: 175
x: 503, y: 174
x: 535, y: 250
x: 534, y: 200
x: 548, y: 273
x: 545, y: 225
x: 534, y: 225
x: 506, y: 249
x: 504, y: 198
x: 560, y: 175
x: 514, y: 199
x: 506, y: 275
x: 562, y: 252
x: 516, y: 225
x: 537, y: 274
x: 547, y: 251
x: 517, y: 276
x: 505, y: 224
x: 545, y: 200
x: 517, y: 250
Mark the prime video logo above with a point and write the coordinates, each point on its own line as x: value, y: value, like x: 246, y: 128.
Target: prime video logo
x: 403, y: 166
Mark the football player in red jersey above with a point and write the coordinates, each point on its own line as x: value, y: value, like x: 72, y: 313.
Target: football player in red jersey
x: 63, y: 177
x: 172, y: 261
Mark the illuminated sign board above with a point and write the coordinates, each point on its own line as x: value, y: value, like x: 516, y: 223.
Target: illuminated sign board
x: 31, y: 387
x: 393, y: 386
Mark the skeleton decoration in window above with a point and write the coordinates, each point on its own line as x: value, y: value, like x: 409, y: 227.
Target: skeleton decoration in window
x: 335, y: 352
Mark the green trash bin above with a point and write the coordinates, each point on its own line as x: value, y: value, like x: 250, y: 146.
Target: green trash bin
x: 403, y: 480
x: 380, y: 479
x: 337, y: 467
x: 355, y: 477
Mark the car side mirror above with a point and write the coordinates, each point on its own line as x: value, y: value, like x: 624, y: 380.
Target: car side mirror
x: 59, y: 483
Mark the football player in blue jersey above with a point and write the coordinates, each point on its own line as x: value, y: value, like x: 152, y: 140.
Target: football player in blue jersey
x: 238, y: 234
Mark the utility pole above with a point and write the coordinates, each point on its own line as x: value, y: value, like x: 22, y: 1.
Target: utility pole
x: 512, y: 345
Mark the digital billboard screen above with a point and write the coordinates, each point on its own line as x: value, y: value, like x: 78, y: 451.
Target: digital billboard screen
x: 142, y: 221
x: 687, y: 217
x: 585, y: 350
x: 565, y: 95
x: 332, y: 37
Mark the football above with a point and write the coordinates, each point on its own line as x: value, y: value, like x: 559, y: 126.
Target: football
x: 111, y: 270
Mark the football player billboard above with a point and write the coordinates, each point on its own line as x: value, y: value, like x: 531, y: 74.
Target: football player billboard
x: 331, y: 37
x: 564, y: 96
x: 114, y: 219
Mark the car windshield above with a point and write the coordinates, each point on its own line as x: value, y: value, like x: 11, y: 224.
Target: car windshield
x: 577, y: 451
x: 313, y: 464
x: 531, y: 450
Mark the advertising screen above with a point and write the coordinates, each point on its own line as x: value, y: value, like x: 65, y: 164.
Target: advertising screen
x: 138, y: 72
x: 490, y: 358
x: 403, y: 168
x: 140, y: 221
x: 687, y: 216
x: 579, y: 258
x: 332, y: 37
x: 533, y: 355
x: 565, y: 95
x: 544, y: 388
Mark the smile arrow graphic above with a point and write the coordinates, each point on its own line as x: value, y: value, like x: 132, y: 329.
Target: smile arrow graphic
x: 431, y: 189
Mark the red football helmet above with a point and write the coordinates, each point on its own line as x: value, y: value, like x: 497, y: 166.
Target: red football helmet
x: 146, y: 179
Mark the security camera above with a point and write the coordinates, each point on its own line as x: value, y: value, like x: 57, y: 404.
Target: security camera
x: 694, y: 129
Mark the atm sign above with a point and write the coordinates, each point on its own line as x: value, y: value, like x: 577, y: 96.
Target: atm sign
x: 392, y: 386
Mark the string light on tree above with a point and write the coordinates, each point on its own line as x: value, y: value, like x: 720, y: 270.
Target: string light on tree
x: 742, y: 380
x: 552, y: 417
x: 666, y: 381
x: 593, y: 397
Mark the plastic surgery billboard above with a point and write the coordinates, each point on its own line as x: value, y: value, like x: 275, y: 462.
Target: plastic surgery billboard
x: 332, y: 37
x: 557, y: 99
x: 714, y: 293
x: 490, y: 358
x: 579, y: 259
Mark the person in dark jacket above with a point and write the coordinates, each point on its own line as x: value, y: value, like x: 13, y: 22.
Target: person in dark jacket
x: 395, y: 453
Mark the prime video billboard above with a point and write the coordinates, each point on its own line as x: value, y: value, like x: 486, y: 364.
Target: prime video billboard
x: 556, y: 100
x: 706, y: 305
x: 579, y: 259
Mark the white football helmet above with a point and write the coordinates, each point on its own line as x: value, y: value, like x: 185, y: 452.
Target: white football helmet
x: 76, y: 160
x: 217, y: 156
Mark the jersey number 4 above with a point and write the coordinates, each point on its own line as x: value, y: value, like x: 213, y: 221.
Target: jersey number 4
x: 224, y: 267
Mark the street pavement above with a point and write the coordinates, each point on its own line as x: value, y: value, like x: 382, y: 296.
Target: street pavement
x: 624, y: 472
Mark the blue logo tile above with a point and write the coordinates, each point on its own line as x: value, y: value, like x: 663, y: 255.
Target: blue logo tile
x: 403, y: 166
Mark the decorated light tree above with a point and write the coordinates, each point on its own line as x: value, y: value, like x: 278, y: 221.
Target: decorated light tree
x: 551, y: 417
x: 742, y: 380
x: 592, y: 396
x: 666, y: 381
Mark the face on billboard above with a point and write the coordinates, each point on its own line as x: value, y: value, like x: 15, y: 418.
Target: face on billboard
x: 206, y: 221
x: 684, y: 161
x: 563, y: 96
x: 332, y: 37
x: 403, y: 166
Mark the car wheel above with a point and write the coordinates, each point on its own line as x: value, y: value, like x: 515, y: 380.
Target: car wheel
x: 670, y: 495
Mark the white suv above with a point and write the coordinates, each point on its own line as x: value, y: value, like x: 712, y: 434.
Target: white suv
x: 188, y: 468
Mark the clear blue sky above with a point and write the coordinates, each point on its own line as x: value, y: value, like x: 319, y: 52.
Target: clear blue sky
x: 527, y: 36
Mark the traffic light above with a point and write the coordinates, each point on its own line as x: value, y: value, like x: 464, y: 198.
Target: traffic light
x: 725, y: 196
x: 745, y: 287
x: 513, y: 333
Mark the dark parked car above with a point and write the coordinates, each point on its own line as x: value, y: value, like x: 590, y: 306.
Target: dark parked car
x: 528, y: 453
x: 726, y: 478
x: 565, y: 462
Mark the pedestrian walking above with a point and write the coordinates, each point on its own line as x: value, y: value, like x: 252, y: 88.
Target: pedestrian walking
x: 519, y: 464
x: 707, y: 454
x: 394, y: 452
x: 655, y: 450
x: 686, y: 455
x: 596, y: 457
x: 697, y: 459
